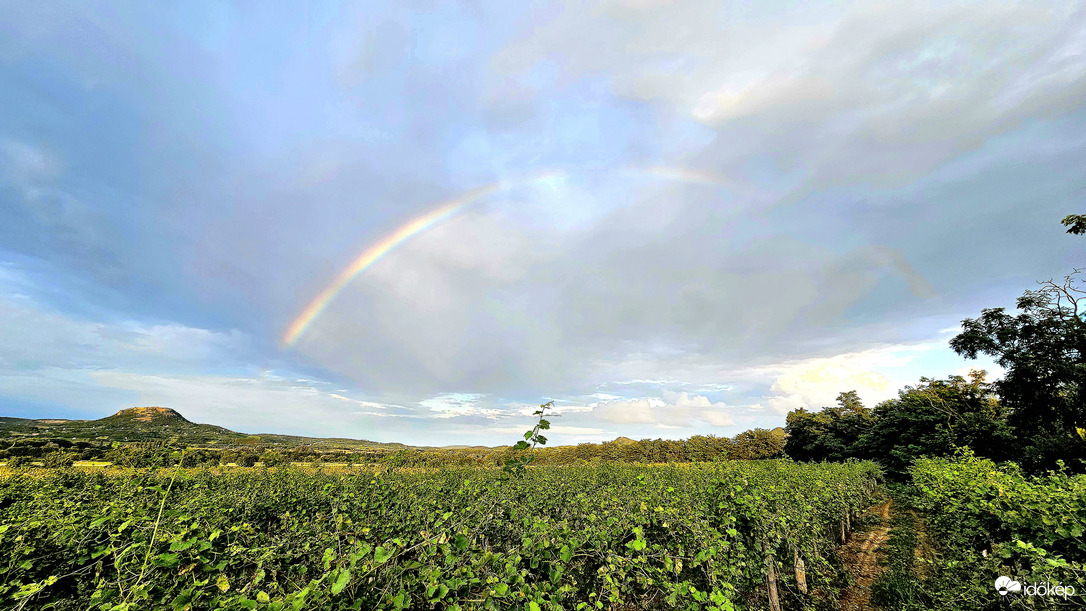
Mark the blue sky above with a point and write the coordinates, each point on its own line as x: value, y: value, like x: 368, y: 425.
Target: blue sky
x: 747, y: 207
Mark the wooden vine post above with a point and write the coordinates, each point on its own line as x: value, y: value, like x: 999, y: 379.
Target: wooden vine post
x: 771, y: 578
x: 801, y: 572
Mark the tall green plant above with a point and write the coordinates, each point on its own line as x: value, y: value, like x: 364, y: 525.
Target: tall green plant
x: 515, y: 465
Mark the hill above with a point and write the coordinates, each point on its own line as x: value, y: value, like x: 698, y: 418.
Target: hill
x: 162, y: 424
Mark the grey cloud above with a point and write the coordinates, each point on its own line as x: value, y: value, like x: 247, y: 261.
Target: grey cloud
x: 485, y: 304
x: 874, y: 93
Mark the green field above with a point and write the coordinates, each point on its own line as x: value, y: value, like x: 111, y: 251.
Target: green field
x: 694, y: 536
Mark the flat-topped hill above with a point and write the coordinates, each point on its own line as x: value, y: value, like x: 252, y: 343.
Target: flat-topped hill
x: 148, y: 415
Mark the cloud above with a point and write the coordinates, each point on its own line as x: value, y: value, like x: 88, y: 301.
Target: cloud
x: 38, y: 337
x: 452, y: 405
x: 715, y: 387
x: 26, y: 165
x: 860, y: 91
x: 876, y: 374
x: 564, y: 431
x: 671, y: 409
x: 727, y: 198
x: 818, y: 383
x: 495, y: 302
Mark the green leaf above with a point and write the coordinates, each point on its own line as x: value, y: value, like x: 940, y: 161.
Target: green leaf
x: 182, y: 599
x: 178, y: 546
x: 381, y: 555
x: 262, y: 597
x: 223, y: 583
x: 341, y: 581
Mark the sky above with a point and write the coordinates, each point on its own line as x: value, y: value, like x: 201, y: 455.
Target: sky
x: 416, y: 221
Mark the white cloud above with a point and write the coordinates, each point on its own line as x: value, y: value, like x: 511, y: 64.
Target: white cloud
x: 628, y: 411
x: 62, y: 341
x: 369, y: 404
x: 816, y: 382
x: 671, y: 409
x: 562, y: 406
x: 876, y: 374
x: 715, y: 387
x: 571, y: 431
x: 665, y: 382
x: 451, y: 405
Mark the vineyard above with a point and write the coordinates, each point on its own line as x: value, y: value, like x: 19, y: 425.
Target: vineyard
x: 720, y: 535
x: 987, y: 520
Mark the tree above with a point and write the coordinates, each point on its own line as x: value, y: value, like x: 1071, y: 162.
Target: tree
x: 758, y: 443
x: 829, y: 434
x: 1075, y: 223
x: 1043, y: 349
x: 272, y: 459
x: 936, y: 417
x: 58, y: 460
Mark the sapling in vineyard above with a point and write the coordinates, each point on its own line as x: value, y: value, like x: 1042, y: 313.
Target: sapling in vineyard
x: 515, y: 466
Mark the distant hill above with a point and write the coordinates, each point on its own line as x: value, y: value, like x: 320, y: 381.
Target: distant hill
x: 152, y: 424
x: 623, y: 440
x: 146, y: 416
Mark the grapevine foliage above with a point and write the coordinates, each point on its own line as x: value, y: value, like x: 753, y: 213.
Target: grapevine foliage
x: 691, y: 536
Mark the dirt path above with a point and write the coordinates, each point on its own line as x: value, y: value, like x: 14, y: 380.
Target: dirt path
x: 861, y: 557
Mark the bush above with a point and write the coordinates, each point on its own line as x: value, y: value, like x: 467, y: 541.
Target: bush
x: 18, y: 462
x: 58, y: 460
x: 273, y: 459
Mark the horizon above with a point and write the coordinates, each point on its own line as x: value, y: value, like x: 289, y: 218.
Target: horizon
x: 407, y: 226
x: 264, y: 433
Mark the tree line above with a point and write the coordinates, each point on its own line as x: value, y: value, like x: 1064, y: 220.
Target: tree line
x: 753, y: 444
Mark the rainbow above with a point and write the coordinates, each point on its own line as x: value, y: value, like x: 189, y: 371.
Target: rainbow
x: 441, y: 212
x: 374, y: 253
